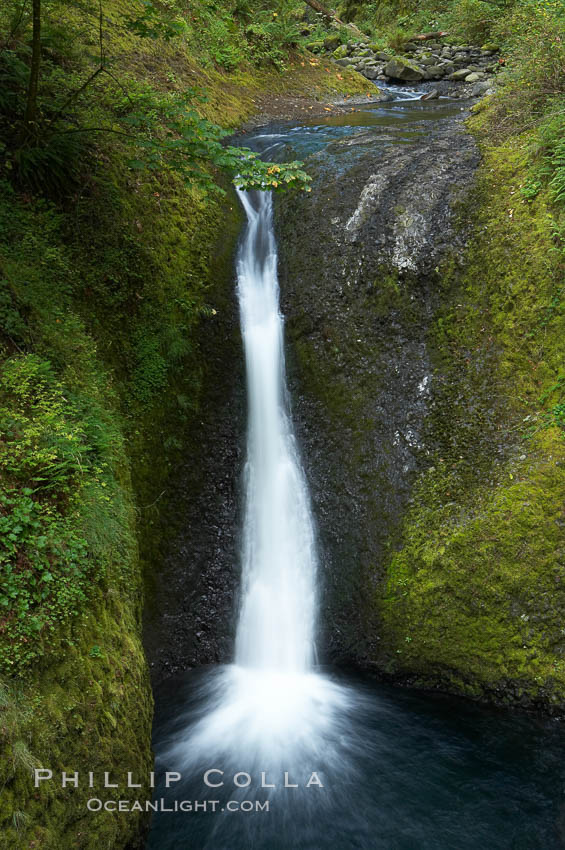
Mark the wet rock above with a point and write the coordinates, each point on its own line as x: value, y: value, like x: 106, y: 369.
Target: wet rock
x: 400, y: 68
x: 435, y: 72
x: 190, y: 610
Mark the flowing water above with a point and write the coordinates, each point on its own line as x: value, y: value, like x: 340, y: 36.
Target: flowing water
x: 331, y: 762
x: 276, y: 625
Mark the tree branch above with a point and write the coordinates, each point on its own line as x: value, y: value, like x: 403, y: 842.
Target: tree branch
x: 331, y: 16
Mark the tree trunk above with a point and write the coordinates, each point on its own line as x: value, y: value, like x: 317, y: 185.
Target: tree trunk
x: 31, y: 105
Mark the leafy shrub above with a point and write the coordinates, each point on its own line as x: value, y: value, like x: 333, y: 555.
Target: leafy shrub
x: 532, y: 36
x: 44, y: 444
x: 57, y: 458
x: 44, y: 566
x: 549, y: 156
x: 472, y: 20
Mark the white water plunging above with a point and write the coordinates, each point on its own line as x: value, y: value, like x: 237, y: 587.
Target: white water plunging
x: 270, y: 710
x: 277, y: 617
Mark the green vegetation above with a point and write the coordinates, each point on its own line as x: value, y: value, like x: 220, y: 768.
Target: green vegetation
x: 131, y: 170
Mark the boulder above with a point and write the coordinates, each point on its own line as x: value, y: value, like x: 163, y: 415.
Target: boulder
x: 461, y: 74
x: 340, y: 52
x: 315, y: 46
x: 435, y: 71
x: 400, y: 68
x: 332, y: 41
x: 479, y: 89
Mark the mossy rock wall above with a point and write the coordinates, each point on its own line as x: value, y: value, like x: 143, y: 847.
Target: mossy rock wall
x: 423, y: 397
x: 474, y: 599
x: 359, y: 290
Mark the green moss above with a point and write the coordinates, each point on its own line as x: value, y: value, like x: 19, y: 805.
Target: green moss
x: 475, y: 595
x: 84, y: 712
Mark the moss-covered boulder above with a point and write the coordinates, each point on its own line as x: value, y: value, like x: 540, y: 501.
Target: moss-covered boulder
x: 332, y: 42
x: 400, y: 68
x: 341, y: 52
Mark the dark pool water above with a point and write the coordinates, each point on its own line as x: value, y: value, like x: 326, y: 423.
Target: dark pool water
x: 417, y: 772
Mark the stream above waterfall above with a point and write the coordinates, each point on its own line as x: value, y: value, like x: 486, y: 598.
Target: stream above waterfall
x: 341, y: 761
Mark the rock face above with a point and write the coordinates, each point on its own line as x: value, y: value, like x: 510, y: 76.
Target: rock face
x: 190, y: 614
x: 357, y: 262
x: 441, y: 533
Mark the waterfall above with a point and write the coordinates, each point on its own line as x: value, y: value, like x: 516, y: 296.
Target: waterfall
x: 277, y: 617
x: 270, y: 709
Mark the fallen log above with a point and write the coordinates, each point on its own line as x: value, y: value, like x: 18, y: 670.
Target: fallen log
x: 424, y: 36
